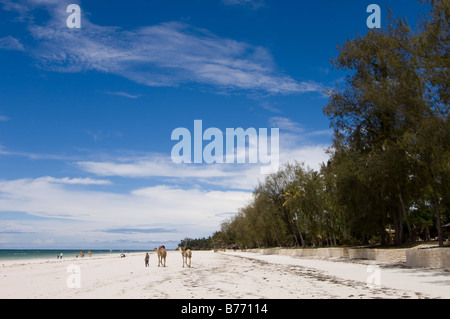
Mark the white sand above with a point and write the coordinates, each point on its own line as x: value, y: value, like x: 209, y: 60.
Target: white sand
x: 216, y: 275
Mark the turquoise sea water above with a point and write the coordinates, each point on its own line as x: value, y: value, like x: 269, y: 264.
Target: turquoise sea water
x: 10, y: 254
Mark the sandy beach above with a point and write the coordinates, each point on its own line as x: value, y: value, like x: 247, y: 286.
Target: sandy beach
x: 217, y: 275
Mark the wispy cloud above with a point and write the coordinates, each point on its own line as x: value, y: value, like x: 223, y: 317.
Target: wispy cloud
x: 139, y: 230
x: 4, y: 118
x: 40, y: 156
x: 100, y: 135
x: 11, y: 43
x: 255, y: 4
x: 72, y: 181
x: 286, y: 124
x: 297, y: 143
x: 167, y: 54
x: 225, y: 176
x: 123, y: 94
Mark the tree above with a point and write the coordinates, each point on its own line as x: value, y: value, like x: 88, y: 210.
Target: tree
x: 431, y: 144
x: 391, y: 119
x: 273, y: 191
x: 389, y: 162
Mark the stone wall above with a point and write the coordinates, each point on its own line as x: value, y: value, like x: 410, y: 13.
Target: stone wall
x: 380, y: 255
x: 307, y: 252
x: 430, y: 258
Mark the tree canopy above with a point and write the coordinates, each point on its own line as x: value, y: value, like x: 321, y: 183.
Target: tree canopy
x: 389, y: 168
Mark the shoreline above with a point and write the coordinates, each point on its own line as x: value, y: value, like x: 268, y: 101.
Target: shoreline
x: 30, y: 254
x: 44, y: 260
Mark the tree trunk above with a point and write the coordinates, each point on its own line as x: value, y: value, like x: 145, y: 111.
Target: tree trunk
x: 382, y: 234
x: 276, y: 238
x: 390, y: 235
x: 302, y: 241
x: 439, y: 222
x: 398, y: 227
x: 405, y: 214
x: 287, y: 220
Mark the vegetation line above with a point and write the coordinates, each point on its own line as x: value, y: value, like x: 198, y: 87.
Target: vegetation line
x: 388, y: 177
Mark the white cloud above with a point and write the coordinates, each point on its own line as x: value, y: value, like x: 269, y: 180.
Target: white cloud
x: 226, y: 176
x: 312, y: 155
x: 167, y: 54
x: 296, y: 143
x: 62, y: 211
x: 153, y: 167
x: 68, y: 209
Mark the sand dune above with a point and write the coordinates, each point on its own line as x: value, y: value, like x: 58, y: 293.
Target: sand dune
x: 216, y: 275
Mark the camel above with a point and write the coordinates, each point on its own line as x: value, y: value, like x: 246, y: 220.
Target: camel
x: 162, y: 253
x: 185, y: 254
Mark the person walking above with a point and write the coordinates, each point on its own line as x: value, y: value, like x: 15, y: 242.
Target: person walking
x: 147, y: 258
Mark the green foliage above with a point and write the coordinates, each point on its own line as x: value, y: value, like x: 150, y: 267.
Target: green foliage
x: 288, y: 209
x: 389, y: 163
x: 197, y: 243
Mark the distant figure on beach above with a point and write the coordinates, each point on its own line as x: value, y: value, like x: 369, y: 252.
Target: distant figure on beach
x: 60, y: 255
x: 147, y: 258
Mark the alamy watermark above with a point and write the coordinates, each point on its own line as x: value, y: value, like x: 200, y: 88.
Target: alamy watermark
x: 241, y: 146
x: 374, y: 19
x: 74, y: 19
x: 374, y: 279
x: 74, y: 279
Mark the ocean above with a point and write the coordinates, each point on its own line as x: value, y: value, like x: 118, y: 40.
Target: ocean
x: 15, y: 254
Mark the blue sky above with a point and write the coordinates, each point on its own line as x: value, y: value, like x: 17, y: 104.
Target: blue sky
x: 86, y: 115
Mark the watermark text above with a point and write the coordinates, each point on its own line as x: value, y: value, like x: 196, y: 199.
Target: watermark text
x: 241, y: 146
